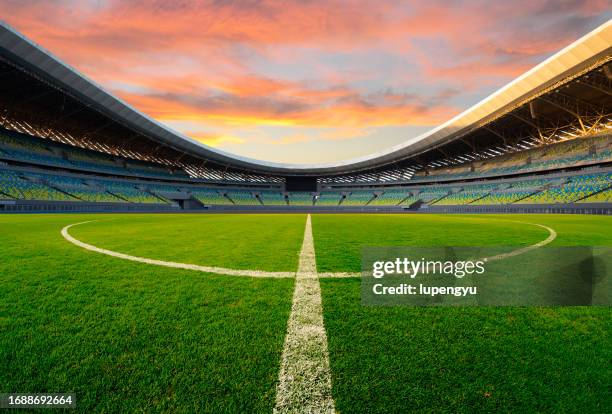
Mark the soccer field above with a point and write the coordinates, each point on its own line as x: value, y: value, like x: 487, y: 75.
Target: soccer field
x: 128, y: 336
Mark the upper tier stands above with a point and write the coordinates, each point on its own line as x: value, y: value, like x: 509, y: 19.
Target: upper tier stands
x: 20, y: 147
x: 576, y: 152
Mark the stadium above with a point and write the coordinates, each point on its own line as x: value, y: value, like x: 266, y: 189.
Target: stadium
x: 166, y: 275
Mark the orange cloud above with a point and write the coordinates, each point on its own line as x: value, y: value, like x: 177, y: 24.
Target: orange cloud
x: 353, y: 66
x: 215, y: 140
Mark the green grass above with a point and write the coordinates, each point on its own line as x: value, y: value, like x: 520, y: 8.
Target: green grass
x: 128, y: 337
x: 237, y: 241
x: 428, y: 359
x: 339, y: 238
x: 418, y: 359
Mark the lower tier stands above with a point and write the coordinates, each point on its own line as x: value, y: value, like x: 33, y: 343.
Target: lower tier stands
x: 299, y: 199
x: 19, y: 185
x: 388, y: 198
x: 210, y: 197
x: 272, y: 198
x: 328, y: 198
x: 358, y: 198
x: 243, y: 198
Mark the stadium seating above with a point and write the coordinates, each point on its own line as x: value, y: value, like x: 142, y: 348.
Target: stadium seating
x: 358, y: 198
x: 430, y: 194
x: 10, y: 185
x: 92, y: 161
x: 300, y: 199
x: 576, y: 188
x: 44, y: 152
x: 74, y: 187
x: 531, y: 191
x: 389, y: 198
x: 18, y: 186
x: 581, y: 151
x: 468, y: 194
x: 163, y: 188
x: 36, y: 158
x: 245, y: 198
x: 152, y: 170
x: 42, y: 184
x: 210, y: 197
x: 272, y: 198
x: 604, y: 196
x: 126, y: 191
x: 328, y: 198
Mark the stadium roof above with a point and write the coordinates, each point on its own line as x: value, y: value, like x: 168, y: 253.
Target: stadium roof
x: 575, y: 58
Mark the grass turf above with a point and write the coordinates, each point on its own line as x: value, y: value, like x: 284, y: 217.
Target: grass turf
x: 237, y: 241
x: 128, y: 337
x: 131, y: 337
x: 339, y: 238
x: 418, y: 359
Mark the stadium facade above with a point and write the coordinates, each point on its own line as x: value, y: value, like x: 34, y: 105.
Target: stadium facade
x: 542, y: 143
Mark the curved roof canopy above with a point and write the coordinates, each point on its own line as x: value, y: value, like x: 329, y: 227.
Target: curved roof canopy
x: 572, y: 59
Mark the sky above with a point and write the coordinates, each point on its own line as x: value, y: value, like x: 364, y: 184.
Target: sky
x: 307, y: 81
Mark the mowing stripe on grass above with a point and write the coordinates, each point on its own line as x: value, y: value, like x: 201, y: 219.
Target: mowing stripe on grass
x: 305, y: 378
x: 206, y: 269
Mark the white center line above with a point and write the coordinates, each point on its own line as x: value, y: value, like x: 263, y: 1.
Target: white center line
x: 305, y: 384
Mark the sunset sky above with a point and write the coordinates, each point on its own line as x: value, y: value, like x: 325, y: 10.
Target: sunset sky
x: 303, y: 81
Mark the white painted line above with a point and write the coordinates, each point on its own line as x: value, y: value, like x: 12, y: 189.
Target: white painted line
x: 305, y: 384
x: 552, y: 235
x: 176, y: 265
x: 259, y: 273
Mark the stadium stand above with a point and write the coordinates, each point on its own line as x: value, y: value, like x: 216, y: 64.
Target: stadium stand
x: 604, y: 196
x: 244, y: 198
x: 210, y: 197
x: 431, y: 194
x: 358, y: 198
x: 571, y: 153
x: 21, y: 147
x: 299, y: 199
x: 543, y: 141
x: 74, y: 187
x: 30, y: 187
x: 126, y: 191
x: 151, y: 170
x: 328, y: 198
x: 28, y: 149
x: 389, y: 197
x: 272, y: 198
x: 574, y: 189
x: 551, y: 189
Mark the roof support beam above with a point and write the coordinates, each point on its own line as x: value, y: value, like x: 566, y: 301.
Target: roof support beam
x: 564, y: 108
x: 497, y: 134
x: 595, y: 87
x: 530, y: 123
